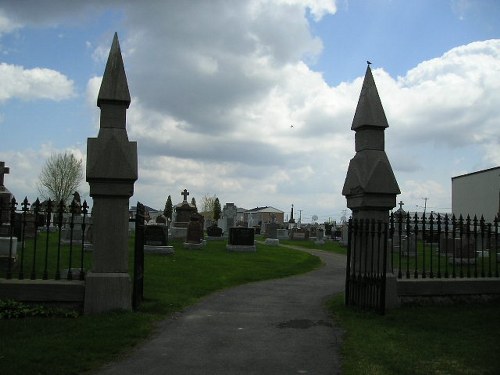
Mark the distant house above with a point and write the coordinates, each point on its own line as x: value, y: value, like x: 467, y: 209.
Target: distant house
x: 263, y: 215
x: 150, y: 213
x: 477, y: 193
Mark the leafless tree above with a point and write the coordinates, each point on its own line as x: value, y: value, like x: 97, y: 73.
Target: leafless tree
x: 60, y: 177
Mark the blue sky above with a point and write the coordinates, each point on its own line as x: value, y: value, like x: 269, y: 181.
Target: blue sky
x: 216, y: 85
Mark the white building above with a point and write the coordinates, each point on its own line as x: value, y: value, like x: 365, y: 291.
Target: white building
x: 477, y: 193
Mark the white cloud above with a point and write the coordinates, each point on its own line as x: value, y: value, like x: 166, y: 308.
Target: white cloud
x: 7, y: 25
x: 36, y: 83
x: 211, y: 108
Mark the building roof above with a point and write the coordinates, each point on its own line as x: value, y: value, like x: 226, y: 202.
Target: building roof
x: 477, y: 172
x: 265, y: 209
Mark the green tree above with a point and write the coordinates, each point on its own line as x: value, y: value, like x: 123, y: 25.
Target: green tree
x: 217, y: 209
x: 168, y: 209
x: 60, y: 177
x: 193, y: 202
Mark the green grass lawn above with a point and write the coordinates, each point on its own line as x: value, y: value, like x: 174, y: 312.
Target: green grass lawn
x: 457, y: 339
x: 72, y: 346
x: 432, y: 262
x: 329, y: 245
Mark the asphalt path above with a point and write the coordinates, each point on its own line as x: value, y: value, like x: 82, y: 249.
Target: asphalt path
x: 278, y: 327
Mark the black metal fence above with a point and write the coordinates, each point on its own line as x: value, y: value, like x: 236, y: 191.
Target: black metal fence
x: 434, y: 246
x: 138, y: 284
x: 366, y: 264
x: 44, y: 240
x: 443, y: 246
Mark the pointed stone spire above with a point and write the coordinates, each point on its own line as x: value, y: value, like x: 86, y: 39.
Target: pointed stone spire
x: 369, y: 111
x: 114, y: 87
x: 370, y: 181
x: 111, y: 173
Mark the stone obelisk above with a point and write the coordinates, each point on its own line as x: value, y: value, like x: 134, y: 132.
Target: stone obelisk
x: 111, y: 173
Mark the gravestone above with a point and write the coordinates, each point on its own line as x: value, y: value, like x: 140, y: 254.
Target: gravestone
x: 405, y: 246
x: 214, y: 232
x: 272, y: 230
x: 76, y: 234
x: 282, y: 234
x: 156, y: 235
x: 241, y: 240
x: 183, y: 213
x: 320, y: 237
x: 299, y: 234
x: 194, y: 234
x: 156, y: 240
x: 458, y: 250
x: 161, y: 219
x: 229, y: 213
x: 272, y: 233
x: 344, y: 237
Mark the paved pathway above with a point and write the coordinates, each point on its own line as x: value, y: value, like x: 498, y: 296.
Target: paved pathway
x: 277, y: 327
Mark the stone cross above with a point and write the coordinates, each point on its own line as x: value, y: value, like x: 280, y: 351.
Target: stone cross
x: 185, y: 193
x: 3, y: 170
x: 401, y: 204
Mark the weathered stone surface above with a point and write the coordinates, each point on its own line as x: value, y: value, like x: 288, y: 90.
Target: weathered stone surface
x: 111, y: 173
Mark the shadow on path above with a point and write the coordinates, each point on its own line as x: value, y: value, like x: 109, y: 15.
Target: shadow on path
x: 277, y: 327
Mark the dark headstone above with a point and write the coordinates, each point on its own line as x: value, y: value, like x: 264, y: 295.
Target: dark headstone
x: 156, y: 235
x: 161, y: 220
x: 299, y: 234
x: 272, y: 230
x: 194, y: 231
x: 214, y: 231
x: 241, y: 236
x: 184, y: 211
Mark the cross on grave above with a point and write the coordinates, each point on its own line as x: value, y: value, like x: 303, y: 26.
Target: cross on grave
x: 3, y: 171
x: 185, y: 193
x: 401, y: 204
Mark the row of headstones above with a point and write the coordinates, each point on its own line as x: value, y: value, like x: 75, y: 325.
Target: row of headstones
x: 458, y: 250
x: 27, y: 227
x: 156, y: 238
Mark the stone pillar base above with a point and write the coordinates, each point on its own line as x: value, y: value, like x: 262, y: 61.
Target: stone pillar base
x: 107, y: 292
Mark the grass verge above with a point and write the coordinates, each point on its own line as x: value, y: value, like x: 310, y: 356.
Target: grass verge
x: 329, y: 245
x: 73, y: 346
x: 455, y: 339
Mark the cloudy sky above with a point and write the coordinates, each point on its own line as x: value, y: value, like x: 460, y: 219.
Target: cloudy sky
x: 216, y: 86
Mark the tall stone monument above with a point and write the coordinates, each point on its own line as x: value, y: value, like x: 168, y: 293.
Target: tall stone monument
x: 183, y: 213
x: 370, y: 186
x: 5, y: 195
x: 111, y: 173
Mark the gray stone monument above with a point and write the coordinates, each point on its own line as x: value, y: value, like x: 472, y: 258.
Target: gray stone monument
x: 229, y: 213
x: 183, y: 213
x: 370, y: 186
x: 111, y: 173
x: 5, y: 195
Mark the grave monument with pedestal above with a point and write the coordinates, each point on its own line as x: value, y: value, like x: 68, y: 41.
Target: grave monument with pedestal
x: 111, y: 173
x: 370, y: 186
x: 183, y: 213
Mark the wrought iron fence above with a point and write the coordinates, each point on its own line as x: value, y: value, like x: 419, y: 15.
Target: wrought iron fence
x: 434, y: 246
x: 366, y: 264
x: 443, y: 246
x: 44, y: 240
x: 138, y: 285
